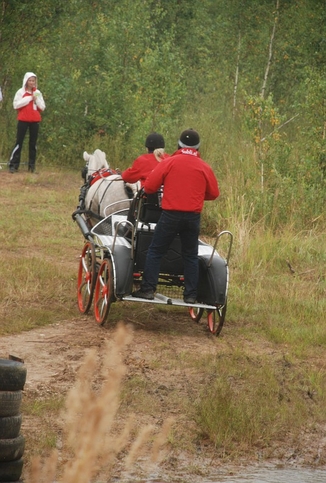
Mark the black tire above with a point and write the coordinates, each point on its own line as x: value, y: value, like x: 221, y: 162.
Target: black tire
x: 10, y: 403
x: 216, y: 318
x: 196, y: 314
x: 12, y: 375
x: 86, y: 278
x: 12, y: 449
x: 104, y: 291
x: 11, y: 470
x: 10, y: 426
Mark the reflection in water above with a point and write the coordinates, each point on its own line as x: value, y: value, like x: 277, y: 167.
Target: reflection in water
x: 274, y: 476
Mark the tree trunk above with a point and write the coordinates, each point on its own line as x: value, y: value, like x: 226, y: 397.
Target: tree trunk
x: 236, y: 79
x: 270, y: 52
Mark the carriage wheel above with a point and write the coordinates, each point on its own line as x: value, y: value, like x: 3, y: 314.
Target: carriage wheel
x: 215, y: 319
x: 103, y: 295
x: 196, y: 313
x: 86, y: 278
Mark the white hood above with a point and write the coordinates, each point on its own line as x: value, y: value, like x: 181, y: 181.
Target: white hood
x: 27, y: 76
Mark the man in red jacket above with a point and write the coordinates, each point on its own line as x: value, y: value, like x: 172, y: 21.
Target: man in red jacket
x: 145, y: 163
x: 187, y: 181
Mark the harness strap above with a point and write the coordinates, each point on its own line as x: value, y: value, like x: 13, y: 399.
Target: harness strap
x: 101, y: 173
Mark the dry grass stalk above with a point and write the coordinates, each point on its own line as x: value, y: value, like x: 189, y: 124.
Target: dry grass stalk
x: 44, y: 473
x: 142, y: 439
x: 161, y: 439
x: 89, y: 419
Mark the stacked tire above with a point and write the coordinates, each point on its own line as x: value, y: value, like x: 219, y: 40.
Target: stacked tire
x: 12, y: 442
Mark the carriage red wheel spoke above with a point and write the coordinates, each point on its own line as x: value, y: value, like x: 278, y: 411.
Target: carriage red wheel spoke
x: 196, y: 313
x: 103, y: 295
x: 215, y: 319
x: 86, y: 278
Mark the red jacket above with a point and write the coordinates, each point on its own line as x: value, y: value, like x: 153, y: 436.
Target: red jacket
x: 140, y: 169
x: 28, y: 113
x: 29, y: 110
x: 187, y: 180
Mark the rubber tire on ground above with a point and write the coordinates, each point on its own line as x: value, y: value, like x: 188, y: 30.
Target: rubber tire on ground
x: 10, y: 403
x: 12, y: 375
x: 10, y: 426
x: 104, y: 291
x: 86, y: 278
x: 216, y: 319
x: 11, y: 470
x: 196, y: 313
x: 12, y: 449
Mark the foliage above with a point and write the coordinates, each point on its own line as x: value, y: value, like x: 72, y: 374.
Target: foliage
x: 113, y: 71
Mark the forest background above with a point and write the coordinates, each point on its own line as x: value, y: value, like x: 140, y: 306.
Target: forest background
x: 248, y: 75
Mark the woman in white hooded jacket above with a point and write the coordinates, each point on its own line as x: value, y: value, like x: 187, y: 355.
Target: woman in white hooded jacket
x: 29, y: 103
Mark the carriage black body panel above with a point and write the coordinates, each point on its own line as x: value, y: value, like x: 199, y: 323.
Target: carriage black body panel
x: 171, y: 263
x: 213, y: 280
x: 212, y: 283
x: 123, y: 264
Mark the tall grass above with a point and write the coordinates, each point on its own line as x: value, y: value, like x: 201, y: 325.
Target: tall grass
x: 254, y: 402
x: 277, y: 295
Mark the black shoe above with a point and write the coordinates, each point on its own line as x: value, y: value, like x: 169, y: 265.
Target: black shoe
x: 189, y: 299
x: 11, y: 170
x: 31, y: 169
x: 140, y: 294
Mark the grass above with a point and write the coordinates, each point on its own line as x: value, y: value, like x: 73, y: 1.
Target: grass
x: 37, y: 240
x: 262, y: 380
x: 252, y: 402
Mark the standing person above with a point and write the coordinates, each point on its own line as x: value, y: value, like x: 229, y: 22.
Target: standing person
x: 29, y: 103
x: 145, y: 163
x: 187, y: 181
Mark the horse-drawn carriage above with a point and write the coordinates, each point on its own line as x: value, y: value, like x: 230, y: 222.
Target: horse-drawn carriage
x: 113, y: 257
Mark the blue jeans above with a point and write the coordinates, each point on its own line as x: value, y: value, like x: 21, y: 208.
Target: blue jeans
x: 171, y: 223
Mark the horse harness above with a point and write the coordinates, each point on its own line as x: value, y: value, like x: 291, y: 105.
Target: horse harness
x: 101, y: 174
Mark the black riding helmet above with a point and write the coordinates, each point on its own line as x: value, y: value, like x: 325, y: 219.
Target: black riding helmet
x: 189, y: 139
x: 154, y: 141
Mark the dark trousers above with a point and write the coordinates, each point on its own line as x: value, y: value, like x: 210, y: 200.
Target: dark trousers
x: 171, y: 223
x: 22, y: 128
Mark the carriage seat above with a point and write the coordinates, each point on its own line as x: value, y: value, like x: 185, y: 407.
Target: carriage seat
x: 171, y: 263
x: 150, y: 210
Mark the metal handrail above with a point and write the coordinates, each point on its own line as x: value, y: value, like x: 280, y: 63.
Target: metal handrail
x: 225, y: 232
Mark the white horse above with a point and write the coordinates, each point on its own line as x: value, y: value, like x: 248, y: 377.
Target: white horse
x: 109, y: 193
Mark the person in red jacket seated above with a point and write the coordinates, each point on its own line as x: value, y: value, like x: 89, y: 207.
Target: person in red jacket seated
x: 187, y: 182
x: 29, y: 103
x: 145, y: 163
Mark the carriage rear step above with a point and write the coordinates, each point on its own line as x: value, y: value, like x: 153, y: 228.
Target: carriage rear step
x: 162, y: 299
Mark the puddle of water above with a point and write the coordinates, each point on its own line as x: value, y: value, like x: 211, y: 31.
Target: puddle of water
x: 274, y: 476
